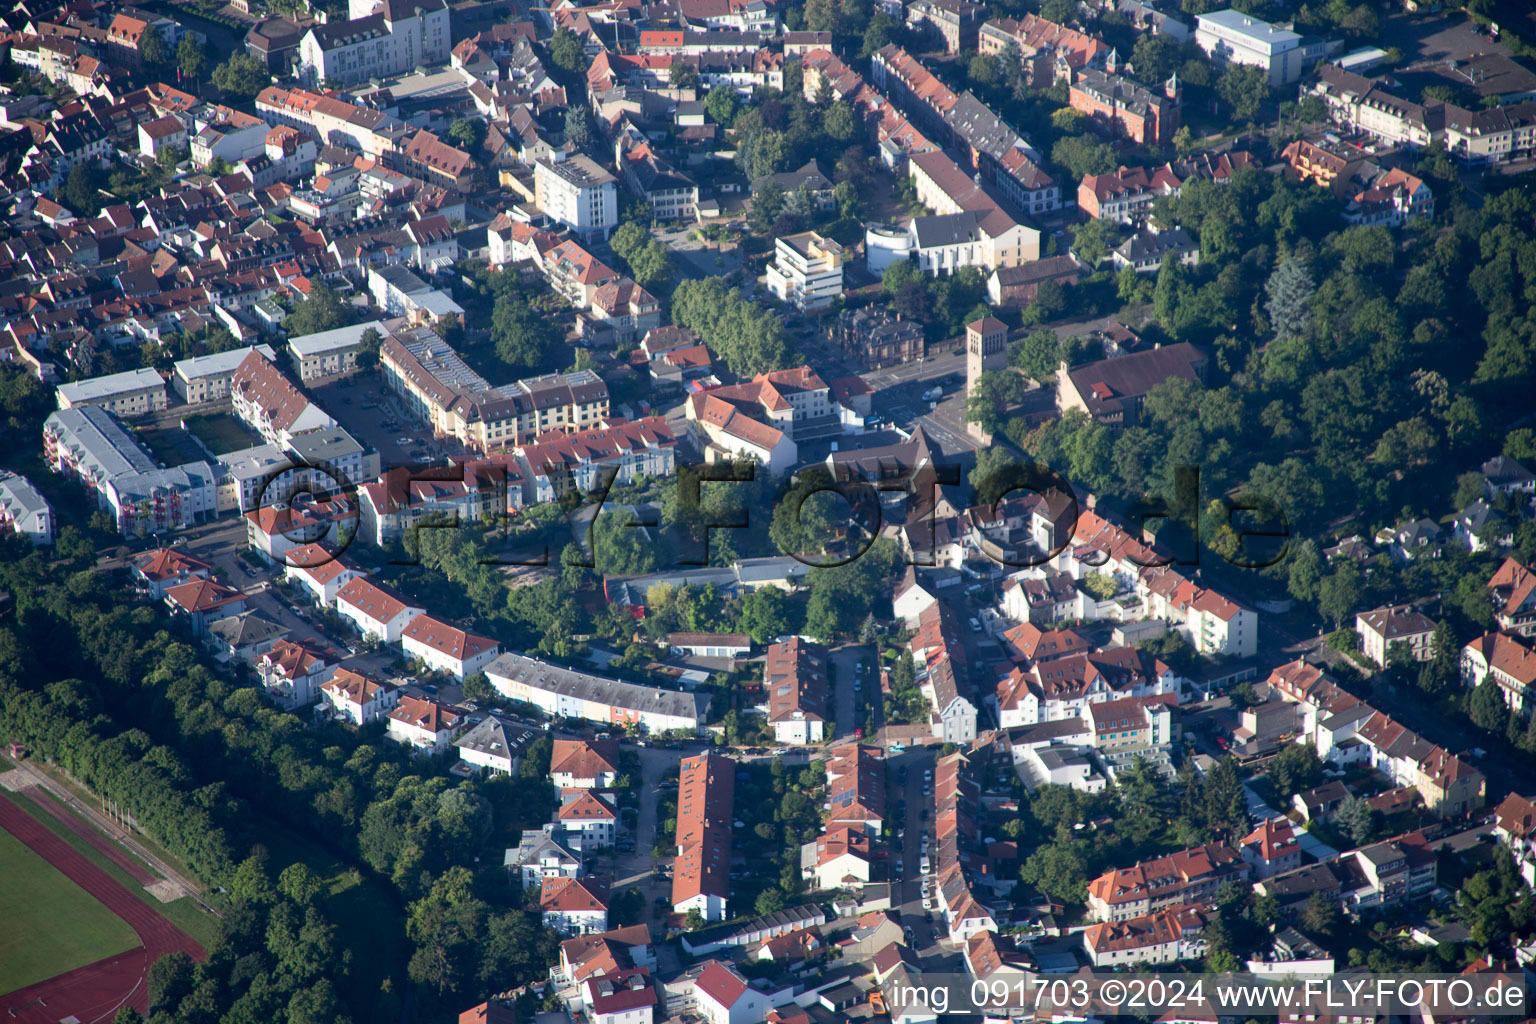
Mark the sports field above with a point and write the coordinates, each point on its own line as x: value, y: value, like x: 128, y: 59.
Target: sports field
x: 50, y: 924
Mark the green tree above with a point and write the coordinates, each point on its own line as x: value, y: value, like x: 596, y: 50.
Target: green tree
x: 1486, y: 706
x: 1058, y: 869
x: 837, y: 121
x: 721, y: 104
x: 241, y: 76
x: 80, y: 189
x: 1289, y: 299
x: 1083, y: 155
x: 578, y: 130
x: 1156, y: 58
x: 1094, y: 240
x: 765, y: 614
x: 1037, y: 354
x: 523, y: 339
x: 467, y: 132
x: 1354, y: 819
x: 152, y: 49
x: 989, y: 398
x: 683, y: 75
x: 445, y: 927
x: 323, y: 310
x: 191, y: 58
x: 1340, y: 593
x: 566, y: 51
x: 1320, y: 915
x: 368, y: 348
x: 1244, y: 88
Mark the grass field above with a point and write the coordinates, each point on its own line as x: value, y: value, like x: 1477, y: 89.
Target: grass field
x: 51, y: 925
x: 183, y: 913
x: 221, y: 432
x: 170, y: 445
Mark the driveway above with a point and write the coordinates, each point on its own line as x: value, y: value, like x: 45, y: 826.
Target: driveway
x: 906, y: 893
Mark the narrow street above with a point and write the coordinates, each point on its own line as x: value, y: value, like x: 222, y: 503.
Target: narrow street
x: 845, y: 692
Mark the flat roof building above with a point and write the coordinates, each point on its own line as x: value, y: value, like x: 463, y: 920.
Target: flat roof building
x: 206, y: 378
x: 130, y: 393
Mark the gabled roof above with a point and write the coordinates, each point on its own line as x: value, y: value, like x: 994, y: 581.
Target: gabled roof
x: 198, y: 596
x: 584, y: 759
x: 721, y: 983
x: 445, y: 639
x: 574, y: 895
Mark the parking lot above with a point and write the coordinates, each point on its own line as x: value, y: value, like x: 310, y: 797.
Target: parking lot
x: 375, y: 416
x: 1452, y: 36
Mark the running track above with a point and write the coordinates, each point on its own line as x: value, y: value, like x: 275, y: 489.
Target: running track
x: 72, y: 821
x: 95, y: 992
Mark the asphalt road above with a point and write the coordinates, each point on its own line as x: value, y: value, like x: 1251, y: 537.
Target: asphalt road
x: 915, y: 821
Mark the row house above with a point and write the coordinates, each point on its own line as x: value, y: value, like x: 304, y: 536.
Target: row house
x: 1188, y: 876
x: 567, y: 693
x: 87, y: 443
x: 1516, y: 829
x: 402, y: 500
x: 1512, y: 589
x: 1126, y: 196
x: 1048, y: 52
x: 855, y: 788
x: 1067, y: 686
x: 701, y: 878
x: 555, y: 462
x: 262, y: 397
x: 795, y: 683
x: 1162, y: 937
x: 944, y: 675
x: 1346, y: 730
x: 958, y: 22
x: 436, y: 383
x: 1509, y: 663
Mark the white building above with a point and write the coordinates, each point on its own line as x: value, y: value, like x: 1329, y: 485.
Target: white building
x: 330, y: 352
x: 578, y: 193
x: 807, y: 270
x: 1243, y: 39
x: 24, y: 510
x: 723, y: 996
x: 541, y: 855
x: 378, y: 40
x: 358, y: 699
x: 424, y: 725
x: 319, y: 571
x: 567, y: 693
x: 1384, y: 627
x: 494, y: 745
x: 574, y: 906
x: 445, y: 648
x: 588, y: 819
x: 207, y: 378
x: 375, y: 611
x: 130, y: 393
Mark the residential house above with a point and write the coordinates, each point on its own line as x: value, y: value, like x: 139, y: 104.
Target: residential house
x: 1188, y: 876
x: 584, y: 764
x: 1512, y: 589
x: 1161, y: 937
x: 374, y: 611
x: 425, y: 725
x: 158, y: 570
x: 494, y: 745
x: 358, y: 699
x: 1516, y: 829
x: 542, y: 854
x: 201, y: 601
x: 575, y: 906
x: 1381, y: 628
x: 1511, y: 665
x: 445, y: 648
x: 795, y: 681
x: 701, y: 872
x: 588, y: 820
